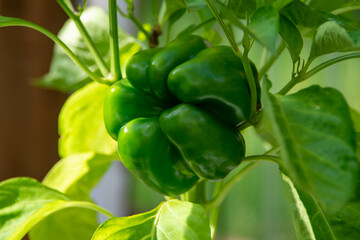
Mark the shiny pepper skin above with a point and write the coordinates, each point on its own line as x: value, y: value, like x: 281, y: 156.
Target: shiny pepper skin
x: 175, y: 116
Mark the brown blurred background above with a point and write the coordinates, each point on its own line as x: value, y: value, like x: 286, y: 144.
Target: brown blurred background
x: 28, y: 114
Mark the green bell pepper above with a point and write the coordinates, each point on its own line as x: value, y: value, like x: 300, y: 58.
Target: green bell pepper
x: 175, y: 118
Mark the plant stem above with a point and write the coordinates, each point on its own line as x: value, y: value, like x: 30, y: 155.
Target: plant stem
x: 271, y: 61
x: 114, y: 41
x: 216, y: 201
x: 303, y: 76
x: 88, y: 41
x: 138, y: 24
x: 203, y: 24
x: 245, y: 61
x: 227, y: 186
x: 197, y: 193
x: 95, y: 207
x: 23, y: 23
x: 197, y: 27
x: 345, y: 9
x: 329, y: 63
x: 288, y: 86
x: 296, y: 79
x: 214, y: 213
x: 252, y: 85
x: 270, y: 158
x: 222, y: 25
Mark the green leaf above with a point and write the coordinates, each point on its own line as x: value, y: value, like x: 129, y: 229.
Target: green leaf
x: 77, y: 174
x: 346, y: 222
x: 212, y: 36
x: 66, y: 76
x: 74, y: 176
x: 358, y: 147
x: 328, y: 5
x: 69, y: 224
x: 194, y: 5
x: 279, y: 4
x: 81, y: 124
x: 292, y: 37
x: 265, y: 26
x: 330, y: 37
x: 303, y: 15
x: 173, y: 219
x: 308, y: 219
x: 355, y: 37
x: 242, y: 8
x: 355, y: 116
x: 24, y: 202
x: 317, y: 139
x: 174, y: 10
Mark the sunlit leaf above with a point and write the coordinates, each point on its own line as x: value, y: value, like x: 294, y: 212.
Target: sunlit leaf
x: 81, y: 124
x: 173, y: 219
x: 24, y: 202
x: 74, y: 176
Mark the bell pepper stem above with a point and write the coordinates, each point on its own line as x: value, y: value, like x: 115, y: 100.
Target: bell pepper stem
x: 227, y: 186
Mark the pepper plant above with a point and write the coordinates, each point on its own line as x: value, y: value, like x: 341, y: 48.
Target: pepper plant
x: 173, y: 107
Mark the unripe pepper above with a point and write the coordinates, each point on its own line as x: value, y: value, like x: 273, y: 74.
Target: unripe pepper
x: 175, y: 118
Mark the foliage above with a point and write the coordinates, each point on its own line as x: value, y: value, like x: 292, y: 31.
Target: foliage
x: 313, y: 133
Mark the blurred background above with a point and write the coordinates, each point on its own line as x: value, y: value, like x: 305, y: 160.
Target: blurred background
x: 255, y: 209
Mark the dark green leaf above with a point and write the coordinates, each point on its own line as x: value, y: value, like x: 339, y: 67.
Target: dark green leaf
x: 81, y: 124
x: 303, y: 15
x: 330, y: 37
x: 346, y: 222
x: 345, y: 23
x: 358, y: 148
x: 173, y: 219
x: 242, y: 8
x: 292, y: 37
x: 317, y: 139
x: 265, y: 26
x: 355, y: 37
x: 355, y: 116
x: 279, y: 4
x: 327, y: 5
